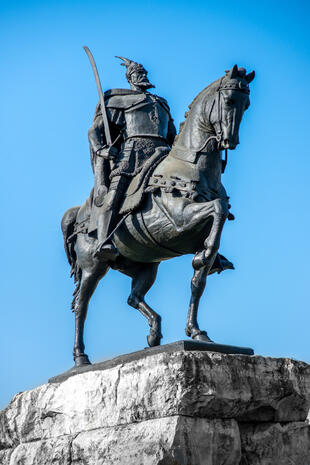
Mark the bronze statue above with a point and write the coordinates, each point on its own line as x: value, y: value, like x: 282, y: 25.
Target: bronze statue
x: 139, y: 123
x: 152, y: 202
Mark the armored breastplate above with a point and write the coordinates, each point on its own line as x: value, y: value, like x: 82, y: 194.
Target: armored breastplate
x: 148, y: 118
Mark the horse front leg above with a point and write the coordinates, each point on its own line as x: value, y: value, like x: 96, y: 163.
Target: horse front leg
x: 202, y: 264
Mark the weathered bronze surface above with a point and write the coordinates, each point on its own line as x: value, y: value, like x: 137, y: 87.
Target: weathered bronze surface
x: 156, y: 195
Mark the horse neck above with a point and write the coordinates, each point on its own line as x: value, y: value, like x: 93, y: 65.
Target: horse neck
x: 196, y: 131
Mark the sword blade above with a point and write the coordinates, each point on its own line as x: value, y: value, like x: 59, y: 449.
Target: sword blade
x: 101, y: 98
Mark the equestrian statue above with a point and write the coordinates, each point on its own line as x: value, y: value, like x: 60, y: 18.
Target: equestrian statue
x: 156, y: 195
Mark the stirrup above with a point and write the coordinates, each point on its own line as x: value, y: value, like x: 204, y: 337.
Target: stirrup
x: 106, y: 251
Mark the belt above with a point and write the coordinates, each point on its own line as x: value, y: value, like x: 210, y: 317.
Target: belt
x: 152, y: 136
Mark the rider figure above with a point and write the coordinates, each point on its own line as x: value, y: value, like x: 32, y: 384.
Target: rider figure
x: 139, y: 122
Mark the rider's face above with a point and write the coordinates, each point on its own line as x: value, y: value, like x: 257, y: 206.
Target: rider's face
x: 140, y: 79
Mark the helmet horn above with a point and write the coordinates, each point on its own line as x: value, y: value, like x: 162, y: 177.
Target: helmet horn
x: 126, y: 63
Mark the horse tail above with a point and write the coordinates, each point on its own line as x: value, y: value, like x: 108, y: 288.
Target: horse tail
x: 67, y: 226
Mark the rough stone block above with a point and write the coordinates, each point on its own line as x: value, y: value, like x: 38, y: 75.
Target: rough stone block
x: 168, y: 441
x: 275, y: 444
x: 181, y: 407
x: 45, y: 452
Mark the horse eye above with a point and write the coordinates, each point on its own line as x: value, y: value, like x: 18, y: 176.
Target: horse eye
x: 229, y: 101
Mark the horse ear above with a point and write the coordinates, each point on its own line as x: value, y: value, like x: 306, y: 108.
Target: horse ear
x: 249, y: 77
x: 233, y: 73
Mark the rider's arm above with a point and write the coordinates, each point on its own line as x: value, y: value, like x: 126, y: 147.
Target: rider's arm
x: 96, y: 135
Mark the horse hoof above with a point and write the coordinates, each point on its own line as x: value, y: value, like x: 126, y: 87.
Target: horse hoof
x: 202, y: 336
x: 153, y: 340
x: 81, y: 360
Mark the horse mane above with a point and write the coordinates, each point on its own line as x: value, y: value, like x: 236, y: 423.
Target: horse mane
x: 207, y: 90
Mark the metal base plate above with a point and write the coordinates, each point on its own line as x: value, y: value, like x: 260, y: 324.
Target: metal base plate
x: 186, y: 345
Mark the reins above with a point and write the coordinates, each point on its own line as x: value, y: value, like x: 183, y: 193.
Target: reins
x: 224, y: 162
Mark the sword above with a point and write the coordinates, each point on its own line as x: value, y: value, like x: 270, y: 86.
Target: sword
x: 101, y: 99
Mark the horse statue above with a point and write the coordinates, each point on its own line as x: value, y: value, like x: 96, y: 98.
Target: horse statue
x: 183, y: 211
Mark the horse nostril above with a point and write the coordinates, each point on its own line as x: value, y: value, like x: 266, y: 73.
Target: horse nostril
x: 229, y: 144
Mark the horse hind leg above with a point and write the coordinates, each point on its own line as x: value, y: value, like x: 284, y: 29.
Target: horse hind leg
x: 143, y: 278
x: 202, y: 264
x: 86, y: 286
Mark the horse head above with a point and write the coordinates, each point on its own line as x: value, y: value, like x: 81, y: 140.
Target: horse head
x: 215, y: 113
x: 231, y: 99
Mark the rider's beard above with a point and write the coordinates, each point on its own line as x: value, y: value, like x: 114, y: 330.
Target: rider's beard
x: 145, y: 84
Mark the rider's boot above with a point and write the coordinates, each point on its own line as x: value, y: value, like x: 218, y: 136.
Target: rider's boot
x: 107, y: 220
x: 105, y: 249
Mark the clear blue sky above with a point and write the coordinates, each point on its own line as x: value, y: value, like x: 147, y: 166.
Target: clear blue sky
x: 48, y: 96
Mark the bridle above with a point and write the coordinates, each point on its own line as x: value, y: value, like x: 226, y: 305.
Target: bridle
x: 219, y: 135
x: 217, y: 101
x: 220, y: 131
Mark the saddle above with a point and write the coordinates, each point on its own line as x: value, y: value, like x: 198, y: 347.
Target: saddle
x: 147, y: 180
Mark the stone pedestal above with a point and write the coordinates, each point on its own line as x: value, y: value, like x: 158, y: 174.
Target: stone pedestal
x: 167, y: 408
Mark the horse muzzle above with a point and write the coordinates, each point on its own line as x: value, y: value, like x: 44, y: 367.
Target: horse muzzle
x: 228, y: 144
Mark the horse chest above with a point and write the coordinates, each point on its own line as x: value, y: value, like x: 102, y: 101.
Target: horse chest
x: 209, y: 167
